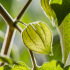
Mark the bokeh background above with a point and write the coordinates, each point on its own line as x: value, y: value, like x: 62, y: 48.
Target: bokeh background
x: 33, y: 13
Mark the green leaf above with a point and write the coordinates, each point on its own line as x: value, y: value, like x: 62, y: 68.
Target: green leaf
x: 60, y: 63
x: 22, y: 66
x: 6, y: 59
x: 64, y: 29
x: 51, y: 66
x: 57, y: 10
x: 67, y: 67
x: 37, y: 37
x: 56, y: 46
x: 62, y: 10
x: 49, y: 11
x: 6, y: 67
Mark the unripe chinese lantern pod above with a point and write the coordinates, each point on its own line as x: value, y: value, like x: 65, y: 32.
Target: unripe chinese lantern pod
x: 37, y: 37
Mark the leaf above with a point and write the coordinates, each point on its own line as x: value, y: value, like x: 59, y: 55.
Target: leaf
x: 6, y: 67
x: 62, y: 10
x: 56, y: 46
x: 56, y: 9
x: 22, y: 66
x: 50, y: 66
x: 49, y: 11
x: 64, y: 29
x: 60, y: 63
x: 37, y: 37
x: 6, y: 59
x: 67, y: 67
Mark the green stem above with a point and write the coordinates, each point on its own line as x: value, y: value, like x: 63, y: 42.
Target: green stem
x: 33, y: 60
x: 21, y: 22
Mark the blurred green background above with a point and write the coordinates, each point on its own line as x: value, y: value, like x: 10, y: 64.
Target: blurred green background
x: 33, y: 13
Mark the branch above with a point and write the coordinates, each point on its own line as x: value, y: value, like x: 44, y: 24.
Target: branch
x: 8, y: 37
x: 10, y: 29
x: 23, y: 10
x: 33, y: 60
x: 6, y: 15
x: 9, y: 32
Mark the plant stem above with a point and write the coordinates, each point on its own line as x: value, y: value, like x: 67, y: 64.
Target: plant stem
x: 10, y: 30
x: 18, y: 28
x: 7, y: 40
x: 31, y: 53
x: 11, y: 26
x: 33, y: 60
x: 23, y: 10
x: 21, y: 22
x: 6, y: 15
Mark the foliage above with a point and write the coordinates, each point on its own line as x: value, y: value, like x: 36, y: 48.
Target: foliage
x: 65, y: 36
x: 6, y: 59
x: 6, y: 67
x: 53, y: 65
x: 37, y: 36
x: 59, y: 11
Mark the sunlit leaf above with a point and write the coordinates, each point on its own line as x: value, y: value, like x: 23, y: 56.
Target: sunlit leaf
x: 22, y: 66
x: 6, y: 67
x: 49, y: 11
x: 6, y: 59
x: 64, y: 29
x: 62, y: 10
x: 67, y: 67
x: 37, y: 37
x: 60, y: 63
x: 56, y: 46
x: 51, y: 66
x: 56, y: 10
